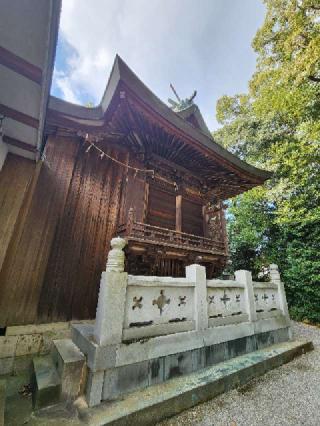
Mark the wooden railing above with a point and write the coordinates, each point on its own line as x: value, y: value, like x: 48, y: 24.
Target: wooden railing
x: 154, y: 234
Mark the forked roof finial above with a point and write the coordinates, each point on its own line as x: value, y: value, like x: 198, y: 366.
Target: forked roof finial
x: 182, y: 103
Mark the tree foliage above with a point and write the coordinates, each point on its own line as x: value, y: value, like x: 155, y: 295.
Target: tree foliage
x: 277, y: 126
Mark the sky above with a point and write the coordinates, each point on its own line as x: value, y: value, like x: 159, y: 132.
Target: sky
x: 193, y: 44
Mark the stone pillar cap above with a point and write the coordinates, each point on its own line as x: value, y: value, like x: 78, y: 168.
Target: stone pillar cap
x: 118, y: 243
x: 115, y: 261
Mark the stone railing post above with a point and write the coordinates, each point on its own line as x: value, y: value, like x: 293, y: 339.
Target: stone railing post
x: 112, y: 297
x: 197, y: 274
x: 245, y: 278
x: 275, y: 278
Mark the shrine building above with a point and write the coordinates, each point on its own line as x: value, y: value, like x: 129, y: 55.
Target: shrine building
x: 132, y: 167
x: 114, y: 303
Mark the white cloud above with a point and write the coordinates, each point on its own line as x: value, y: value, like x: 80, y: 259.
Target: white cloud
x: 193, y: 44
x: 63, y: 83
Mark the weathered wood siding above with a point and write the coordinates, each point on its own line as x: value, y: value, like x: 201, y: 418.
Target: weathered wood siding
x: 17, y: 173
x: 82, y: 237
x: 52, y: 266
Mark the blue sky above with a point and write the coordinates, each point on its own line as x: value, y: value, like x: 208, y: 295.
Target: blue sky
x: 194, y: 44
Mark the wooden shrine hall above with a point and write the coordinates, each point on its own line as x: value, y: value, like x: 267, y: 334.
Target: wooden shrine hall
x: 171, y: 182
x: 131, y: 167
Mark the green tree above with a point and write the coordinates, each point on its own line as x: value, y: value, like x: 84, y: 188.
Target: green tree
x: 277, y: 126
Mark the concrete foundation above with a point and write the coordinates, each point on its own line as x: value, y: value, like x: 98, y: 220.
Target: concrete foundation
x: 119, y: 369
x: 156, y: 403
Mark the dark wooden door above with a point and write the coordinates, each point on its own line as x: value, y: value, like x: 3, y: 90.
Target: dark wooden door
x: 192, y: 219
x: 161, y: 208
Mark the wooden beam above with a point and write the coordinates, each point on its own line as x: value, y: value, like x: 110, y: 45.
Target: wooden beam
x: 179, y: 213
x: 19, y: 116
x: 16, y: 142
x: 20, y: 66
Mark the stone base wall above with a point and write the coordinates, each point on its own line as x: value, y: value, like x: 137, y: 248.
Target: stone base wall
x: 115, y: 370
x: 21, y: 343
x: 140, y: 375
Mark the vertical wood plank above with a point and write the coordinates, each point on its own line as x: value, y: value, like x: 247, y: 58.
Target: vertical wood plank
x: 15, y: 178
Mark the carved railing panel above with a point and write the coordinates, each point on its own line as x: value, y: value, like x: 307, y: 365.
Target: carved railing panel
x: 156, y: 306
x: 266, y: 299
x: 226, y: 302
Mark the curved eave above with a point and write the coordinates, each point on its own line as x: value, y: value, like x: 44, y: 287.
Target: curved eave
x: 94, y: 118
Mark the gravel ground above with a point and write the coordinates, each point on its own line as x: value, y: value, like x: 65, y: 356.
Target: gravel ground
x: 288, y: 395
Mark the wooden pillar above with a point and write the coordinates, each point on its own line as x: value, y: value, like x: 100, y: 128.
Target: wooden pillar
x: 145, y: 202
x: 179, y: 213
x: 224, y: 227
x: 205, y: 221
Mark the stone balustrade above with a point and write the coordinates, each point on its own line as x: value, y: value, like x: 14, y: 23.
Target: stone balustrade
x: 135, y: 307
x: 150, y: 329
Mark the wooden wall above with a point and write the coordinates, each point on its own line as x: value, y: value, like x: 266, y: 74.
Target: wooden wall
x: 59, y: 217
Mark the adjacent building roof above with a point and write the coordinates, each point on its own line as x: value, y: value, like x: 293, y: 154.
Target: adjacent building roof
x: 28, y: 37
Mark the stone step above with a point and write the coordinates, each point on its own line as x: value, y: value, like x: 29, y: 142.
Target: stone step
x: 69, y: 362
x: 46, y: 382
x: 2, y: 400
x: 150, y: 405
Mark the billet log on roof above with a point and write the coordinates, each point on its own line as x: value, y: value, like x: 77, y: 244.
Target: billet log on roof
x: 129, y: 110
